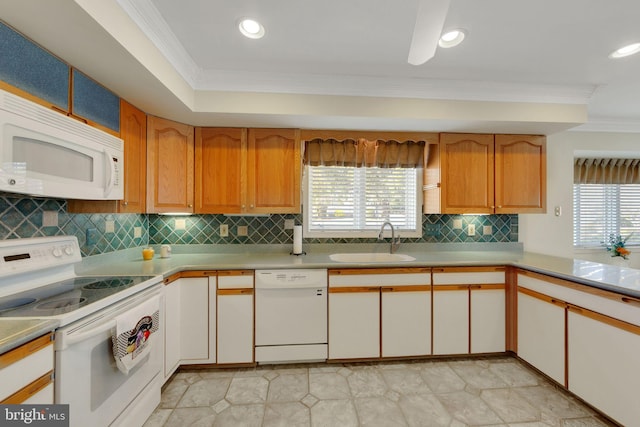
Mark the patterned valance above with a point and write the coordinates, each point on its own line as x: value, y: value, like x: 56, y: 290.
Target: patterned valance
x: 364, y: 153
x: 606, y: 171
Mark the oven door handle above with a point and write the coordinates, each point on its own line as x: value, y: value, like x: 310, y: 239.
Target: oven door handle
x: 74, y: 338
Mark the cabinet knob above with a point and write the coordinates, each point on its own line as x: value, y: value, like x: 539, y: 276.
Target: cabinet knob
x: 189, y: 205
x: 242, y: 206
x: 125, y: 203
x: 251, y: 206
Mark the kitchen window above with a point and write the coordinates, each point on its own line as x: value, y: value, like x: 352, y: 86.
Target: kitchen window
x: 606, y: 200
x: 353, y: 187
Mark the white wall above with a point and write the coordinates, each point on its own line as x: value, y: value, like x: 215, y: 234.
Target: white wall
x: 548, y: 234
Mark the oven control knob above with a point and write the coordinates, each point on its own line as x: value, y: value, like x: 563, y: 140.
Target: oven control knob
x: 68, y: 250
x: 56, y: 252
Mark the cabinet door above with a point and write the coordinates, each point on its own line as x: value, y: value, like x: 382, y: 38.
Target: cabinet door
x: 520, y: 174
x: 220, y: 166
x: 94, y: 103
x: 541, y: 333
x: 467, y: 171
x: 354, y: 323
x: 450, y: 319
x: 194, y: 320
x: 170, y: 152
x: 133, y: 130
x: 235, y: 326
x: 488, y: 318
x: 406, y: 321
x: 273, y: 171
x: 172, y: 328
x: 603, y: 363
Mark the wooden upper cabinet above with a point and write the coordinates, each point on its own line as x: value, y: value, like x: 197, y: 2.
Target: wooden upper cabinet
x: 247, y: 170
x: 467, y: 173
x: 520, y: 167
x: 133, y: 130
x: 220, y: 166
x: 170, y: 166
x: 273, y: 171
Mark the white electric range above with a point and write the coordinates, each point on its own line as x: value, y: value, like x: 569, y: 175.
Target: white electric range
x: 38, y: 280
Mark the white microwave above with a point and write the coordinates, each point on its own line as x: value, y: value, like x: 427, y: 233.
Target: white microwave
x: 45, y: 153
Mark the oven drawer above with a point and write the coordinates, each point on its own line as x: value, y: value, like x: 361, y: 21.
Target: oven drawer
x: 24, y: 365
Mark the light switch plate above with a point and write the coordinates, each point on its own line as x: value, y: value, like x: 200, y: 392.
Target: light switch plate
x: 109, y: 226
x: 243, y: 230
x: 224, y: 230
x: 457, y: 224
x: 471, y: 230
x: 487, y: 230
x: 137, y: 232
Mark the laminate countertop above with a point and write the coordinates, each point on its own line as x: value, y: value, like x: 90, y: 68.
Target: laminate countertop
x: 625, y: 281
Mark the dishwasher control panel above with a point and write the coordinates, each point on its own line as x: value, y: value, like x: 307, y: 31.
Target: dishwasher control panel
x: 294, y: 278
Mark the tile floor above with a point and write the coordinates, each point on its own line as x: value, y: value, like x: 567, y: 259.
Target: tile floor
x: 479, y: 392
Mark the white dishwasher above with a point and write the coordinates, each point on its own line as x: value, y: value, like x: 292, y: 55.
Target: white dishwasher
x: 291, y: 315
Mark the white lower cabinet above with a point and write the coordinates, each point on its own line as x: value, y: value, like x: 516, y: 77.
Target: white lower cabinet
x: 235, y: 317
x: 603, y: 363
x: 189, y: 328
x: 487, y: 318
x: 197, y: 321
x: 172, y: 328
x: 450, y: 319
x: 354, y: 323
x: 469, y: 310
x: 26, y: 373
x: 384, y: 312
x: 541, y: 333
x: 406, y: 321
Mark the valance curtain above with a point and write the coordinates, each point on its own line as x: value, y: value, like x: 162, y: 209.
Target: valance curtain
x: 606, y: 171
x: 364, y: 153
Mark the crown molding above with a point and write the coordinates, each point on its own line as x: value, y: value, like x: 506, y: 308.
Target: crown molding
x: 608, y: 124
x: 153, y: 25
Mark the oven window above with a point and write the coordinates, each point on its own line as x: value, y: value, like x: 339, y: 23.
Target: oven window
x: 51, y: 159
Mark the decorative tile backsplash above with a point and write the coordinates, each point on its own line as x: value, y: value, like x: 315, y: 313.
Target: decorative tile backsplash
x: 23, y: 217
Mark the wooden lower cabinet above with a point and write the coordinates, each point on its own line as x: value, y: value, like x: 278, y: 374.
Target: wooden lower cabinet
x: 195, y: 313
x: 172, y: 328
x: 603, y: 363
x: 450, y: 319
x: 354, y: 323
x: 487, y: 320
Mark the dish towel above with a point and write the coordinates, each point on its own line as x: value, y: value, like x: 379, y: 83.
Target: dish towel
x: 134, y: 332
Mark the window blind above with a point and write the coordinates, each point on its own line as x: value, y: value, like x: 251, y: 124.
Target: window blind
x: 604, y: 209
x: 355, y: 199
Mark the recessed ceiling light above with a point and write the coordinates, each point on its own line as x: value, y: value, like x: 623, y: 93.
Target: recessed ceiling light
x: 251, y: 28
x: 625, y: 51
x: 452, y: 38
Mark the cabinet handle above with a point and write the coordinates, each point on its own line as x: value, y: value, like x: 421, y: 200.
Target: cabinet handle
x: 630, y: 301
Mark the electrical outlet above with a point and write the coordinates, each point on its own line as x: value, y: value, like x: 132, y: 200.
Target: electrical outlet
x: 92, y: 236
x: 471, y: 230
x: 288, y: 224
x: 432, y: 230
x: 109, y: 226
x: 243, y: 230
x: 181, y: 224
x: 224, y: 230
x: 558, y: 210
x: 137, y: 232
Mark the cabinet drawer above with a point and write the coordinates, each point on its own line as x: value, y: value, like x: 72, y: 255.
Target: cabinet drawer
x: 380, y: 277
x: 25, y: 370
x: 456, y: 276
x: 238, y: 279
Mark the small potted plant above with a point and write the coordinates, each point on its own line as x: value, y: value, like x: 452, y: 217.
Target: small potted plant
x: 616, y: 245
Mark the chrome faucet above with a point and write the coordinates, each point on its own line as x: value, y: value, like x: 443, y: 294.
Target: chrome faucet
x: 395, y: 243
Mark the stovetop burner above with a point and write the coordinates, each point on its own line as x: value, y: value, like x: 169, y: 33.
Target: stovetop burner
x: 64, y: 304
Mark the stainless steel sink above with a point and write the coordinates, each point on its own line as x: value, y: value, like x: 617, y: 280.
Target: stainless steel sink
x: 370, y: 257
